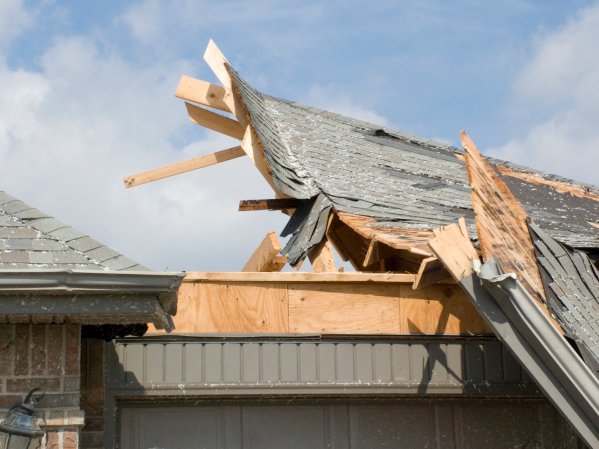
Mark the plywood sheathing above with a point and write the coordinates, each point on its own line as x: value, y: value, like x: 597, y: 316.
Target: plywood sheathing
x: 328, y: 303
x: 501, y: 222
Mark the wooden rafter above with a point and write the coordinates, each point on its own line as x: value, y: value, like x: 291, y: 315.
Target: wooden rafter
x: 431, y: 271
x: 322, y: 257
x: 182, y: 167
x: 266, y: 256
x: 202, y: 92
x: 268, y: 204
x: 214, y: 121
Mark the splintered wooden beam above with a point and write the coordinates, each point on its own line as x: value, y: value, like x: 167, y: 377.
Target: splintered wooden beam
x: 322, y: 258
x: 268, y: 204
x: 266, y: 257
x: 501, y: 222
x: 431, y: 271
x: 202, y: 92
x: 453, y: 248
x: 218, y: 63
x: 214, y: 121
x: 182, y: 167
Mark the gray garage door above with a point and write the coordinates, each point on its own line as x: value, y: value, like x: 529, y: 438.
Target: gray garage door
x: 364, y: 424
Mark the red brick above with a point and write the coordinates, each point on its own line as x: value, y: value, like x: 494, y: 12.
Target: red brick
x: 23, y: 341
x: 38, y: 349
x: 69, y: 440
x: 24, y: 385
x: 52, y: 440
x: 54, y: 349
x: 73, y: 343
x: 7, y: 344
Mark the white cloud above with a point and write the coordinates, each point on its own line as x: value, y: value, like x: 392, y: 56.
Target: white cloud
x: 559, y: 86
x: 330, y: 99
x: 14, y: 19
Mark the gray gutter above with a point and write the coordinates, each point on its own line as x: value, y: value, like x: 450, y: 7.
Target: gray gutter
x: 547, y: 356
x: 46, y: 284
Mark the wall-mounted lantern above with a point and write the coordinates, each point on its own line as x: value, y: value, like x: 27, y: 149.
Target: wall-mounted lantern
x: 20, y: 429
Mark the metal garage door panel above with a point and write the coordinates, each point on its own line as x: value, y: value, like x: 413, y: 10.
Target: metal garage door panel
x: 385, y: 426
x: 176, y: 428
x: 287, y: 427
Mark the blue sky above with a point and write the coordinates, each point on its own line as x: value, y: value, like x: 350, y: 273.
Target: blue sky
x: 87, y: 98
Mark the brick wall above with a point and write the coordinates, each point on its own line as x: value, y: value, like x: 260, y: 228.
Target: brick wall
x: 48, y: 357
x: 92, y: 393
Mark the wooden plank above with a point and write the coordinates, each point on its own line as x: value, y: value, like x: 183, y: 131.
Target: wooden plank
x: 218, y: 64
x: 269, y: 204
x: 344, y: 309
x: 202, y: 92
x: 266, y: 256
x: 501, y: 222
x: 455, y: 251
x: 253, y: 149
x: 430, y: 272
x: 291, y: 277
x: 182, y: 167
x: 378, y: 251
x: 216, y: 61
x: 322, y: 257
x: 438, y: 310
x: 214, y: 121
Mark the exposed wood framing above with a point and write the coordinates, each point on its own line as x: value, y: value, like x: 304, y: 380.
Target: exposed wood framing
x: 431, y: 271
x: 202, y: 92
x: 268, y: 204
x: 322, y: 257
x: 218, y: 63
x: 559, y: 186
x: 377, y: 251
x: 252, y: 148
x: 373, y: 305
x: 182, y: 167
x: 413, y: 240
x: 501, y: 222
x: 214, y: 121
x: 454, y: 248
x: 350, y: 277
x: 266, y: 256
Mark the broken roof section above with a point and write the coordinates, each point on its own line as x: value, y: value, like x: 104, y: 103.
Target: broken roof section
x: 381, y: 196
x: 400, y: 181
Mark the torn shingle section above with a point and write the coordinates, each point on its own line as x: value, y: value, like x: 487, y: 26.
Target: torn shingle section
x: 404, y: 180
x: 572, y: 288
x: 32, y: 239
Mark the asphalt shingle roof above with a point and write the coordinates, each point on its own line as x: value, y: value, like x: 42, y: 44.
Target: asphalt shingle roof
x: 31, y: 239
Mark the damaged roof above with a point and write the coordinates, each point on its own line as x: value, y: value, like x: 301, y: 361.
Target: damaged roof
x: 402, y: 182
x: 31, y: 239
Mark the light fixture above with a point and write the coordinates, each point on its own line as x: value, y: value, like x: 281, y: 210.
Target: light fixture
x: 20, y: 429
